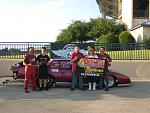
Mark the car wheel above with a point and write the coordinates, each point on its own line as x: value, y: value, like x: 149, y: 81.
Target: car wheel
x: 15, y: 75
x: 111, y: 81
x: 50, y: 81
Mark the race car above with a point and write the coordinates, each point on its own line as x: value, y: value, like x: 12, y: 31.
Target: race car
x: 59, y: 70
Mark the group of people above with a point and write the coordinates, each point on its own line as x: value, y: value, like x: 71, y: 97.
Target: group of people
x: 42, y: 61
x: 76, y: 55
x: 31, y: 62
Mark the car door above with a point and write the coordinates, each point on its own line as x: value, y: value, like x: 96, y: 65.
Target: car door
x: 65, y: 73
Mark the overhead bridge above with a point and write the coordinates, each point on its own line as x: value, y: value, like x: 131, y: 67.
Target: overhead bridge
x: 108, y: 7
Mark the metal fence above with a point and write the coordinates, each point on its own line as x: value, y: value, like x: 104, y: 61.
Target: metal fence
x: 132, y: 51
x: 17, y: 50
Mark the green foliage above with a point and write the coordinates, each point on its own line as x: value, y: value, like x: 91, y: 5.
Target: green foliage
x: 79, y: 31
x: 100, y: 27
x: 107, y: 39
x: 125, y: 38
x: 65, y: 36
x: 119, y: 28
x: 146, y: 42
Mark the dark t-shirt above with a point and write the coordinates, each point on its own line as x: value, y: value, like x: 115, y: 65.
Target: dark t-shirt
x: 43, y: 70
x: 106, y: 57
x: 42, y: 59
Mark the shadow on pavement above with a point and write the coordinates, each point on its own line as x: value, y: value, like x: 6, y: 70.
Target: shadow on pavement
x: 14, y: 91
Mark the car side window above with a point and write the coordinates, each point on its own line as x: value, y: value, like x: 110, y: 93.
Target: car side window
x: 65, y: 65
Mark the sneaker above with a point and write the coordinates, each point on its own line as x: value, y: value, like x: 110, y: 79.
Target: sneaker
x: 94, y: 89
x: 45, y: 88
x: 90, y: 89
x: 26, y: 91
x: 82, y: 89
x: 72, y: 89
x: 106, y: 89
x: 34, y: 89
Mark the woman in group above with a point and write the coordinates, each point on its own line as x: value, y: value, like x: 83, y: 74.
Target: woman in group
x: 92, y: 79
x: 43, y: 60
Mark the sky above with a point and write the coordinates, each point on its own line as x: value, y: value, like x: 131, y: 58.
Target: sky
x: 41, y: 20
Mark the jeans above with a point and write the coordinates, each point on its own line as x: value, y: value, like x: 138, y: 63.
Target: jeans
x: 106, y: 79
x: 76, y: 76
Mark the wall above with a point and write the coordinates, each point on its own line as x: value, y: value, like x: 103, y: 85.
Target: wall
x: 127, y: 12
x: 134, y: 69
x: 146, y: 31
x: 138, y: 34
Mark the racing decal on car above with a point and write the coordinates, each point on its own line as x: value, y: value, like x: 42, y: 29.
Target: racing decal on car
x: 65, y: 51
x: 55, y: 70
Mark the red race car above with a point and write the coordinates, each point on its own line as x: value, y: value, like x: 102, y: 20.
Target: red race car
x: 60, y: 71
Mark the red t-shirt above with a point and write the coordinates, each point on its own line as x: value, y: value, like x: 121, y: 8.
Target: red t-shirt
x: 30, y: 59
x: 73, y: 55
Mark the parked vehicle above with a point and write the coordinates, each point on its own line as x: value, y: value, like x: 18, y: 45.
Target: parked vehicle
x: 59, y: 70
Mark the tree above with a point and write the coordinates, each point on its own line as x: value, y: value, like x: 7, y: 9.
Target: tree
x: 125, y: 37
x: 79, y: 31
x: 5, y: 50
x: 101, y: 27
x: 106, y: 40
x: 65, y: 36
x: 146, y: 42
x: 75, y: 32
x: 126, y: 41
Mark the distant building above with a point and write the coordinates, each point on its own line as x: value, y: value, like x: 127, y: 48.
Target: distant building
x: 135, y: 14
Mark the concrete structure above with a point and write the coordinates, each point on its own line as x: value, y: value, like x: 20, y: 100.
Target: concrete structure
x: 140, y: 69
x: 132, y: 13
x: 141, y: 31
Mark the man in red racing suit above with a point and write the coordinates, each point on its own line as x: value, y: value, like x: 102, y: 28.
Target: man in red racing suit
x: 30, y: 70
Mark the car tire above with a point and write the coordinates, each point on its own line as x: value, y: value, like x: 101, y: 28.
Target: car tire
x: 111, y: 81
x: 50, y: 81
x: 15, y: 75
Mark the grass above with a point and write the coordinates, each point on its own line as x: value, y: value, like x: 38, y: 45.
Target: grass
x: 130, y: 55
x: 116, y: 55
x: 15, y: 56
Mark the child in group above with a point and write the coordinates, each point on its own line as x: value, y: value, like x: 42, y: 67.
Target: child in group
x: 43, y: 60
x: 92, y: 79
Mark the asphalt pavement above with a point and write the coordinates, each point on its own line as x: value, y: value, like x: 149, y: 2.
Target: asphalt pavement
x: 130, y: 99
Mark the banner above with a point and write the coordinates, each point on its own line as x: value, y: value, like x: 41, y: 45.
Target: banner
x: 92, y: 67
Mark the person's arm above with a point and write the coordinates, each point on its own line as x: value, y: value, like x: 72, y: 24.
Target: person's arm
x: 37, y: 61
x: 72, y: 58
x: 26, y: 60
x: 109, y: 58
x: 48, y: 59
